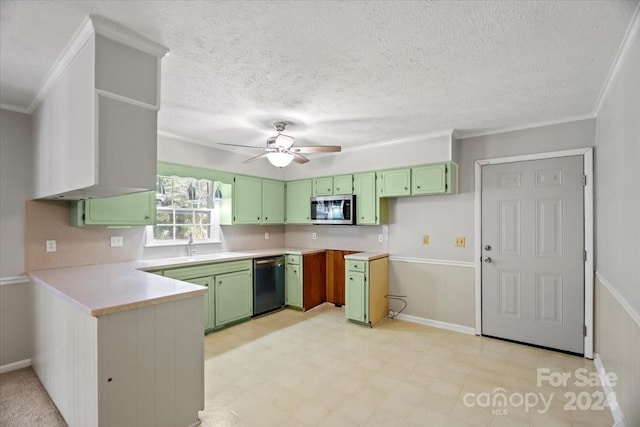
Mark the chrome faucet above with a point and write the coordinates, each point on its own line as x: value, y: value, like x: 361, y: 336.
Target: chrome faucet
x: 190, y: 250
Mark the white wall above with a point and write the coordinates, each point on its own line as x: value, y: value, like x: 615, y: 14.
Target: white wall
x: 617, y: 169
x: 15, y: 187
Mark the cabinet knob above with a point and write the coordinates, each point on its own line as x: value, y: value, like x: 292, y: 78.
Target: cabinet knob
x: 258, y: 218
x: 146, y: 217
x: 406, y: 188
x: 266, y: 218
x: 338, y: 188
x: 418, y: 187
x: 361, y: 217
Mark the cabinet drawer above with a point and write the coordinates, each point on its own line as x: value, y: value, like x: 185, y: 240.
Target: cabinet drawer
x: 293, y: 259
x: 212, y: 269
x: 357, y: 265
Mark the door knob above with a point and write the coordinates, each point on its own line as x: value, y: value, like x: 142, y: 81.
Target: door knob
x: 487, y: 247
x: 487, y: 260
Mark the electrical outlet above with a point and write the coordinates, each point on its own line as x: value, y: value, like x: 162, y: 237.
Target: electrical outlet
x: 425, y: 239
x: 460, y: 242
x: 266, y: 235
x: 380, y: 238
x: 51, y: 245
x: 117, y: 241
x: 313, y: 236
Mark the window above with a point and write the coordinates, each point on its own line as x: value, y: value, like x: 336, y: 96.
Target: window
x: 185, y: 207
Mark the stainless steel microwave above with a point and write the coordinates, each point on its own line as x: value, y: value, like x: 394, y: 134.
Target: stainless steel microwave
x: 333, y: 210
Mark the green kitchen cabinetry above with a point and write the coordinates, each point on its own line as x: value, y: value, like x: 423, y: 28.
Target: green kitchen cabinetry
x: 370, y: 208
x: 273, y: 201
x: 130, y: 209
x: 298, y: 207
x: 229, y: 298
x: 323, y: 186
x: 438, y: 178
x: 366, y: 286
x: 247, y: 200
x: 293, y: 281
x: 394, y: 182
x: 342, y: 184
x: 233, y: 297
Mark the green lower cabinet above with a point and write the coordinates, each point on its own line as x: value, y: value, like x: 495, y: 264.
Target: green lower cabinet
x: 293, y: 283
x: 233, y: 297
x: 208, y: 312
x: 130, y: 209
x: 356, y: 296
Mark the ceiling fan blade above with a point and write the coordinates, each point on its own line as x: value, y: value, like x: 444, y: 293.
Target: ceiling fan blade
x: 299, y: 158
x: 255, y: 158
x: 243, y: 146
x: 317, y: 149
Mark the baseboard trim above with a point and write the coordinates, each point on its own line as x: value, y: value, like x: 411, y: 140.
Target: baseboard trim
x: 616, y: 411
x: 433, y: 261
x: 437, y: 324
x: 15, y: 366
x: 623, y: 302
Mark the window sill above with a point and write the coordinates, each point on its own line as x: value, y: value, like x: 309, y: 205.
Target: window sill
x: 180, y: 243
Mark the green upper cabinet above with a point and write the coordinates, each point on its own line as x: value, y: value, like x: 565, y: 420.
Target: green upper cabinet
x: 272, y: 202
x: 439, y: 178
x: 370, y: 209
x: 342, y: 184
x: 130, y: 209
x: 323, y: 186
x: 247, y: 200
x: 298, y: 207
x: 394, y: 182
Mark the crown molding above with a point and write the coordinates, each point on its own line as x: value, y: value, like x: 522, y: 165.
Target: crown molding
x: 413, y: 138
x: 121, y: 34
x: 185, y: 138
x: 90, y: 26
x: 463, y: 135
x: 623, y: 52
x: 71, y: 50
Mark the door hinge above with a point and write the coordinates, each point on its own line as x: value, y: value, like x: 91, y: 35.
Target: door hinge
x: 585, y: 255
x: 84, y: 217
x: 446, y: 187
x: 584, y: 180
x: 585, y: 330
x: 445, y: 169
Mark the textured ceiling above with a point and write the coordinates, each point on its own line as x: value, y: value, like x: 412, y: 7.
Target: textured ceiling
x: 349, y: 73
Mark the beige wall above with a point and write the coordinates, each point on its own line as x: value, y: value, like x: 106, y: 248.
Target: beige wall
x: 618, y: 346
x: 15, y: 185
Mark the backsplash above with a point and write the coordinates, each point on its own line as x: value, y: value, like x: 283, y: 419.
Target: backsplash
x: 49, y: 220
x: 344, y: 237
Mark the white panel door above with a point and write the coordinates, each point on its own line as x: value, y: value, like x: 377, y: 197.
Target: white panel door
x: 533, y: 252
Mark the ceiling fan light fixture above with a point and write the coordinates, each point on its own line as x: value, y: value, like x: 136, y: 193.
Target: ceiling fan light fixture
x: 283, y: 141
x: 279, y: 159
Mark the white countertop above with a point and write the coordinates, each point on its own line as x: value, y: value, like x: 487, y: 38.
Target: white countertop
x: 366, y: 256
x: 107, y: 288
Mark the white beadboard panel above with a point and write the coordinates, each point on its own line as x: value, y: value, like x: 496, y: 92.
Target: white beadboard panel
x: 145, y: 371
x: 618, y: 347
x: 165, y: 366
x: 437, y: 292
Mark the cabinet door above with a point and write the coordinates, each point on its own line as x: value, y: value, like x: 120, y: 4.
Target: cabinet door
x: 395, y: 182
x: 342, y: 184
x: 356, y: 296
x: 429, y: 179
x: 323, y: 186
x: 247, y: 200
x: 209, y: 298
x: 364, y: 187
x: 272, y: 202
x: 233, y: 297
x: 130, y: 209
x: 293, y: 281
x: 298, y: 205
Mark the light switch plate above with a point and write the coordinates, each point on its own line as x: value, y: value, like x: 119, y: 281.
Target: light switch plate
x: 51, y: 245
x: 117, y: 241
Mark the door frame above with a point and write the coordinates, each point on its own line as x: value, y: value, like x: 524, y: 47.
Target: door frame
x: 587, y: 156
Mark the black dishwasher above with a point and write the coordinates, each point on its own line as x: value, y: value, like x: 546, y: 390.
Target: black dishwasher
x: 268, y: 284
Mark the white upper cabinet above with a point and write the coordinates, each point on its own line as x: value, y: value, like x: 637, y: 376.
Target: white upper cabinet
x: 95, y: 128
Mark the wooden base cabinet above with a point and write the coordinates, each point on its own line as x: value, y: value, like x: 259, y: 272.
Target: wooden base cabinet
x: 335, y: 276
x: 366, y: 287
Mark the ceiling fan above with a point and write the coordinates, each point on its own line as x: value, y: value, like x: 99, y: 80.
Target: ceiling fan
x: 280, y: 150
